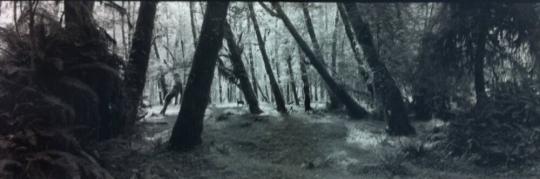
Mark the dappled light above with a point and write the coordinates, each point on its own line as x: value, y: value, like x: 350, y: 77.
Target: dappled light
x: 252, y: 89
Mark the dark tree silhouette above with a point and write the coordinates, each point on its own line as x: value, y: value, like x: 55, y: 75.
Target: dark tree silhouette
x: 292, y: 82
x: 354, y: 110
x: 240, y: 71
x: 135, y: 74
x: 187, y: 130
x: 280, y: 102
x: 334, y: 101
x: 305, y: 81
x: 384, y: 84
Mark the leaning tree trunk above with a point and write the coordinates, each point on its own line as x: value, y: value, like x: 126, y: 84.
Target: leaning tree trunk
x: 334, y: 101
x: 305, y: 81
x: 280, y: 102
x: 187, y: 130
x: 398, y: 121
x: 240, y: 71
x: 135, y: 74
x: 354, y: 110
x: 292, y: 82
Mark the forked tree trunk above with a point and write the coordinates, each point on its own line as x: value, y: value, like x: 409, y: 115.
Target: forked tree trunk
x: 292, y: 82
x: 305, y: 81
x: 135, y: 74
x: 354, y: 110
x: 240, y: 71
x: 334, y: 101
x: 187, y: 130
x: 392, y: 101
x: 280, y: 102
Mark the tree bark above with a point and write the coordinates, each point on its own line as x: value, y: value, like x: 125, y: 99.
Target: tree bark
x: 187, y: 130
x: 334, y: 101
x: 240, y: 71
x: 351, y: 37
x: 354, y: 110
x: 392, y: 101
x: 280, y: 102
x: 292, y: 82
x: 135, y: 74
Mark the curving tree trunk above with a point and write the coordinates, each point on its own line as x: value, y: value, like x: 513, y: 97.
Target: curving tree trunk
x: 280, y: 102
x: 392, y: 101
x: 240, y: 71
x: 334, y: 101
x: 354, y: 110
x: 135, y: 74
x: 188, y: 128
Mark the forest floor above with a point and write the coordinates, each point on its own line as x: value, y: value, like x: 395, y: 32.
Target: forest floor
x: 298, y: 145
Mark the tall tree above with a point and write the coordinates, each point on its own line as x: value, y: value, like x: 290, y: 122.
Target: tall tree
x: 187, y: 130
x: 192, y: 20
x: 305, y: 81
x: 292, y: 82
x: 392, y: 101
x: 351, y: 38
x: 280, y: 102
x: 334, y: 102
x: 135, y: 74
x: 354, y: 110
x: 240, y: 71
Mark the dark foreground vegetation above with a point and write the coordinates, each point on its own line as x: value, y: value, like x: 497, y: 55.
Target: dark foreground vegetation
x: 271, y: 90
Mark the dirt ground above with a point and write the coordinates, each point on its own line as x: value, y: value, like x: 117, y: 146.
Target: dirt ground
x: 298, y: 145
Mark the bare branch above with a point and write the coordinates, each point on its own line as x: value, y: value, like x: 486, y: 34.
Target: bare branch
x: 267, y: 9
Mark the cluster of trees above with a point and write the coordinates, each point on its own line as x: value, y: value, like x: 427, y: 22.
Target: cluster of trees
x: 391, y: 60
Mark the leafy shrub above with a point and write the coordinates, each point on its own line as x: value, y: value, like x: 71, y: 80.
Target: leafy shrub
x: 56, y: 90
x: 503, y: 131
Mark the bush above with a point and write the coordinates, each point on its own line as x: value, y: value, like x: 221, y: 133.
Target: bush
x: 56, y: 90
x: 503, y: 131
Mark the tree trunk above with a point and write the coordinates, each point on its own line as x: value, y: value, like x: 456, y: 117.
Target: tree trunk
x: 135, y: 74
x: 354, y: 110
x: 292, y: 82
x: 392, y: 101
x: 334, y: 43
x: 305, y: 81
x: 78, y: 18
x: 187, y: 130
x: 240, y: 72
x: 252, y: 70
x: 350, y: 37
x: 280, y: 102
x: 193, y: 27
x: 122, y: 29
x: 334, y: 101
x: 479, y: 80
